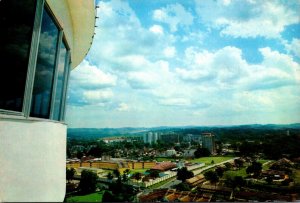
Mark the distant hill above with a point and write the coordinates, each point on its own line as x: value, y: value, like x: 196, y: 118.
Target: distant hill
x: 94, y: 133
x: 90, y: 133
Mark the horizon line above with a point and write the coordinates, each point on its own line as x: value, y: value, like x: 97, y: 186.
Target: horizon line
x: 185, y: 126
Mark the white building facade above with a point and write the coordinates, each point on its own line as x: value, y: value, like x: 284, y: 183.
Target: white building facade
x: 208, y: 142
x: 40, y: 42
x: 151, y: 137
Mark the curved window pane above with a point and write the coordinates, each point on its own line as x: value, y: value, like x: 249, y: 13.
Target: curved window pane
x: 43, y: 81
x: 60, y: 82
x: 16, y: 22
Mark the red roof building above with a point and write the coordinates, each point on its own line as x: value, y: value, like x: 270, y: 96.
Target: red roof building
x: 164, y: 166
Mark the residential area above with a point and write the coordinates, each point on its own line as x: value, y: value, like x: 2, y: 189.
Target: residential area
x: 185, y: 169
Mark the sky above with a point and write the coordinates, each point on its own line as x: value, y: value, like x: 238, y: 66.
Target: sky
x: 189, y: 62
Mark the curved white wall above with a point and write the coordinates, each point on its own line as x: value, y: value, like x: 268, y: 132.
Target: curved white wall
x: 32, y: 160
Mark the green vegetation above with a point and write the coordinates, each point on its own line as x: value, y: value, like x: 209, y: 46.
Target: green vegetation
x: 201, y: 152
x: 183, y: 174
x: 262, y: 161
x: 212, y: 176
x: 208, y: 160
x: 297, y: 176
x: 157, y: 185
x: 70, y: 174
x: 88, y: 182
x: 93, y: 197
x: 255, y: 168
x: 119, y: 192
x: 132, y: 171
x: 241, y: 172
x: 266, y: 165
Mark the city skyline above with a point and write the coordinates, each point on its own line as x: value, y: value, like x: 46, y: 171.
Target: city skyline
x: 175, y: 63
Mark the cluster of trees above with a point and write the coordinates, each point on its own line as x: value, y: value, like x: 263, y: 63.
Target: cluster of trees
x: 183, y: 174
x: 119, y: 191
x: 88, y: 182
x: 270, y: 147
x: 235, y: 182
x: 201, y: 152
x: 212, y: 177
x: 70, y: 172
x: 255, y: 169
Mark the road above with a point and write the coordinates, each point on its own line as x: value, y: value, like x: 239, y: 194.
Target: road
x: 170, y: 183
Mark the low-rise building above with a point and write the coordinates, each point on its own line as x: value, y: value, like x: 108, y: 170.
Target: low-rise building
x: 164, y: 166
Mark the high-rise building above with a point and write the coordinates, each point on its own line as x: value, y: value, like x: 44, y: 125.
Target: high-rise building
x: 151, y: 137
x: 40, y: 42
x: 155, y: 137
x: 208, y: 142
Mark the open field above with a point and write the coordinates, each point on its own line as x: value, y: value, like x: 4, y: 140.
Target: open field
x: 266, y: 163
x: 132, y: 171
x: 208, y: 160
x: 157, y: 185
x: 262, y: 161
x: 297, y: 176
x: 240, y: 172
x: 93, y: 197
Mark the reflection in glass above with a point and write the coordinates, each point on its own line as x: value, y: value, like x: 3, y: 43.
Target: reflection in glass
x: 43, y: 81
x: 15, y: 40
x: 62, y: 67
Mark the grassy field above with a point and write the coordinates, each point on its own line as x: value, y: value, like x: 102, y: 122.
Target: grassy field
x: 297, y: 176
x: 132, y: 171
x: 93, y: 197
x: 160, y: 183
x: 265, y: 165
x: 240, y: 172
x: 208, y: 160
x: 262, y: 161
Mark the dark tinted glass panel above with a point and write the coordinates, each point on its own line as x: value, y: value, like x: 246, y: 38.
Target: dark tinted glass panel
x: 60, y: 82
x: 43, y: 81
x: 16, y: 23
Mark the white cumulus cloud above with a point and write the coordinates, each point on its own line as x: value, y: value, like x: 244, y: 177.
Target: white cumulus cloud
x: 170, y: 52
x: 88, y: 76
x: 174, y: 15
x: 249, y: 18
x: 157, y: 29
x: 123, y: 107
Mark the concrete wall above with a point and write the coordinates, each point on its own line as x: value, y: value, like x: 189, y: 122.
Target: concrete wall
x: 32, y: 160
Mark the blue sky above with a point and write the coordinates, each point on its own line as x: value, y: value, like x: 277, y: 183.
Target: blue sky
x: 191, y: 62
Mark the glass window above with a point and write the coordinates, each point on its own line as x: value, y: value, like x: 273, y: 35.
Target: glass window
x: 45, y: 66
x: 16, y: 22
x: 62, y: 68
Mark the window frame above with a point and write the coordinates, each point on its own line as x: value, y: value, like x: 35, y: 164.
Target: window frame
x: 34, y: 42
x: 62, y: 40
x: 42, y: 5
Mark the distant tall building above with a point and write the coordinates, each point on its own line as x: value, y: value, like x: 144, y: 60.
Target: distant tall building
x: 208, y: 142
x: 150, y: 138
x: 155, y: 137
